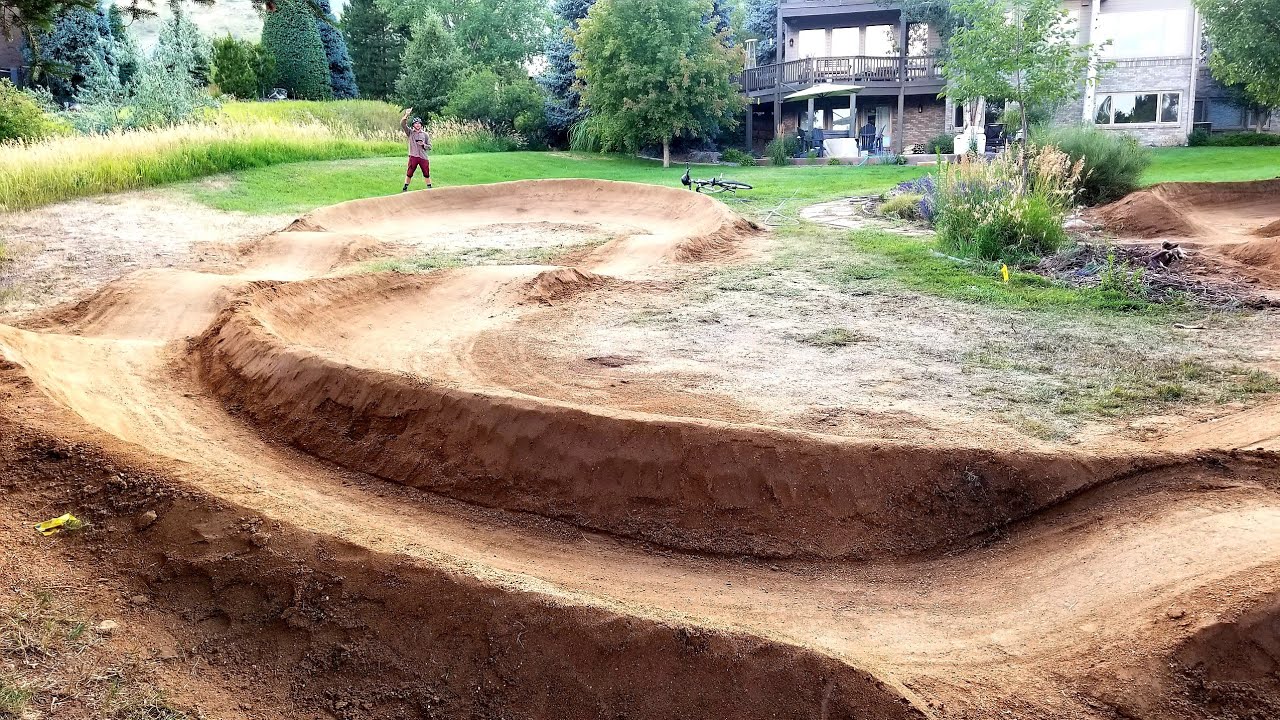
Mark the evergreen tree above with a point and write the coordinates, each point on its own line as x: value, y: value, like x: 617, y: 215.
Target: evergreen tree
x: 180, y: 39
x: 233, y: 68
x: 377, y: 44
x: 342, y: 76
x: 762, y: 23
x: 68, y: 51
x: 127, y: 54
x: 291, y: 36
x: 432, y: 65
x: 563, y: 105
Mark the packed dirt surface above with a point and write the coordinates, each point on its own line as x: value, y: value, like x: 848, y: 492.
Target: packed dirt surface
x: 1236, y: 224
x: 355, y: 516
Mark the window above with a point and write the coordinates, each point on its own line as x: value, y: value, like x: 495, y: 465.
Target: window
x: 840, y: 120
x: 813, y: 43
x: 844, y: 42
x: 917, y: 39
x: 1154, y: 33
x: 1131, y: 108
x: 880, y: 41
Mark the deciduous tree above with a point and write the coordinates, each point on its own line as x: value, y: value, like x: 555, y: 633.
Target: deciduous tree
x: 653, y: 70
x: 1024, y: 51
x: 488, y: 33
x: 432, y: 65
x: 1245, y: 36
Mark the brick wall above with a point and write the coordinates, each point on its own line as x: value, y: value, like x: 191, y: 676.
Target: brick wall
x: 926, y: 116
x: 1157, y: 75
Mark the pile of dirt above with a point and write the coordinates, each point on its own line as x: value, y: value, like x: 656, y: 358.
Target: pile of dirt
x: 1206, y: 211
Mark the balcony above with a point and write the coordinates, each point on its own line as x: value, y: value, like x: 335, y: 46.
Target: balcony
x: 864, y: 70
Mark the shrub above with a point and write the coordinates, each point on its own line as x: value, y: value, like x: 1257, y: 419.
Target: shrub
x: 832, y: 162
x: 1120, y: 277
x: 1112, y: 163
x: 233, y: 71
x: 905, y: 206
x: 1233, y: 139
x: 738, y: 157
x: 940, y: 145
x: 991, y: 210
x: 781, y: 149
x: 21, y: 117
x: 291, y: 36
x: 506, y: 101
x: 811, y: 154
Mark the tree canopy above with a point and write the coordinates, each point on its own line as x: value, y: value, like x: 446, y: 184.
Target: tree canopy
x: 291, y: 36
x: 1245, y: 37
x: 1024, y: 51
x: 342, y: 75
x: 653, y: 70
x: 376, y: 44
x: 559, y: 79
x: 63, y: 56
x: 432, y: 66
x: 487, y: 32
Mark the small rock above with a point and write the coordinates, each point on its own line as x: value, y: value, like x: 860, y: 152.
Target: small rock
x: 1176, y: 613
x: 341, y: 705
x: 140, y: 600
x: 145, y: 520
x: 260, y: 539
x: 106, y: 627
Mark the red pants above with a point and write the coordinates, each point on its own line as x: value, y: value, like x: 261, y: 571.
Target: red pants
x: 417, y: 162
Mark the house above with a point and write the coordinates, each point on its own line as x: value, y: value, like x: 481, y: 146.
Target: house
x: 11, y: 57
x: 1148, y: 78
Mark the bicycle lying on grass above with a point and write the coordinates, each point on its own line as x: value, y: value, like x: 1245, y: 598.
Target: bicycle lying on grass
x: 712, y: 185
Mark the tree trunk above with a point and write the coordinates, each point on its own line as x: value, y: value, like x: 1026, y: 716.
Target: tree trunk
x: 666, y: 152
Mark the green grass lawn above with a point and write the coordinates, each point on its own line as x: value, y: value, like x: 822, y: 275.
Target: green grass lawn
x: 1213, y: 164
x: 299, y: 187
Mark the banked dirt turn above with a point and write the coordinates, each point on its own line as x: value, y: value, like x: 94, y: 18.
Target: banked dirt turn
x: 633, y: 564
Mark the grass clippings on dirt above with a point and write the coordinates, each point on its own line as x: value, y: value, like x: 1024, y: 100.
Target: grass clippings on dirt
x: 50, y: 667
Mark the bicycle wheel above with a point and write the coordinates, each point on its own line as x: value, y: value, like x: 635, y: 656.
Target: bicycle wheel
x: 734, y: 185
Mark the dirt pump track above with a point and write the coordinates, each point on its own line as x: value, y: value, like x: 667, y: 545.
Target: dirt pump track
x: 586, y: 561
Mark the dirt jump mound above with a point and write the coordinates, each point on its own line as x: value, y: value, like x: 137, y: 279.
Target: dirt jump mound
x: 1238, y: 223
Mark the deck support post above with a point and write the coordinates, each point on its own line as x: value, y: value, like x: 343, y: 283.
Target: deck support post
x: 899, y: 139
x: 751, y: 111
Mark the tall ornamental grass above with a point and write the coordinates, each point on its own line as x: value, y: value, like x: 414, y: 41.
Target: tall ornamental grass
x: 994, y: 211
x: 56, y: 169
x: 373, y: 120
x: 46, y: 171
x: 1111, y: 163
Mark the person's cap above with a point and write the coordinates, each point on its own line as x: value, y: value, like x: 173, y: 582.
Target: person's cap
x: 417, y: 121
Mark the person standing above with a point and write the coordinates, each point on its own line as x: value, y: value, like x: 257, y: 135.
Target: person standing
x: 419, y: 146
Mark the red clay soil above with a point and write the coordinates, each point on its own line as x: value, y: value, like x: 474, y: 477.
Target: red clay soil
x: 1237, y: 223
x: 255, y: 414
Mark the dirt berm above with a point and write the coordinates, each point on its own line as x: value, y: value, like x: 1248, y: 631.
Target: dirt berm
x: 684, y: 483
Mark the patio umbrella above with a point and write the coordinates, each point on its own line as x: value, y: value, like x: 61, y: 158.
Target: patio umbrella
x: 824, y: 90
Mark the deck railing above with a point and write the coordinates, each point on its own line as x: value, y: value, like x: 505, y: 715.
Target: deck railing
x: 851, y: 69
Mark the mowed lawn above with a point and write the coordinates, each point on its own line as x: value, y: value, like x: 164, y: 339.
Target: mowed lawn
x: 299, y: 187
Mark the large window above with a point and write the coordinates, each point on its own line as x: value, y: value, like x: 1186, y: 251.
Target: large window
x: 1153, y: 33
x: 880, y: 41
x: 844, y: 42
x: 1131, y: 108
x: 813, y: 43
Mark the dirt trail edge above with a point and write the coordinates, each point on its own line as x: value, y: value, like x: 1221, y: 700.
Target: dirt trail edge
x: 1073, y: 585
